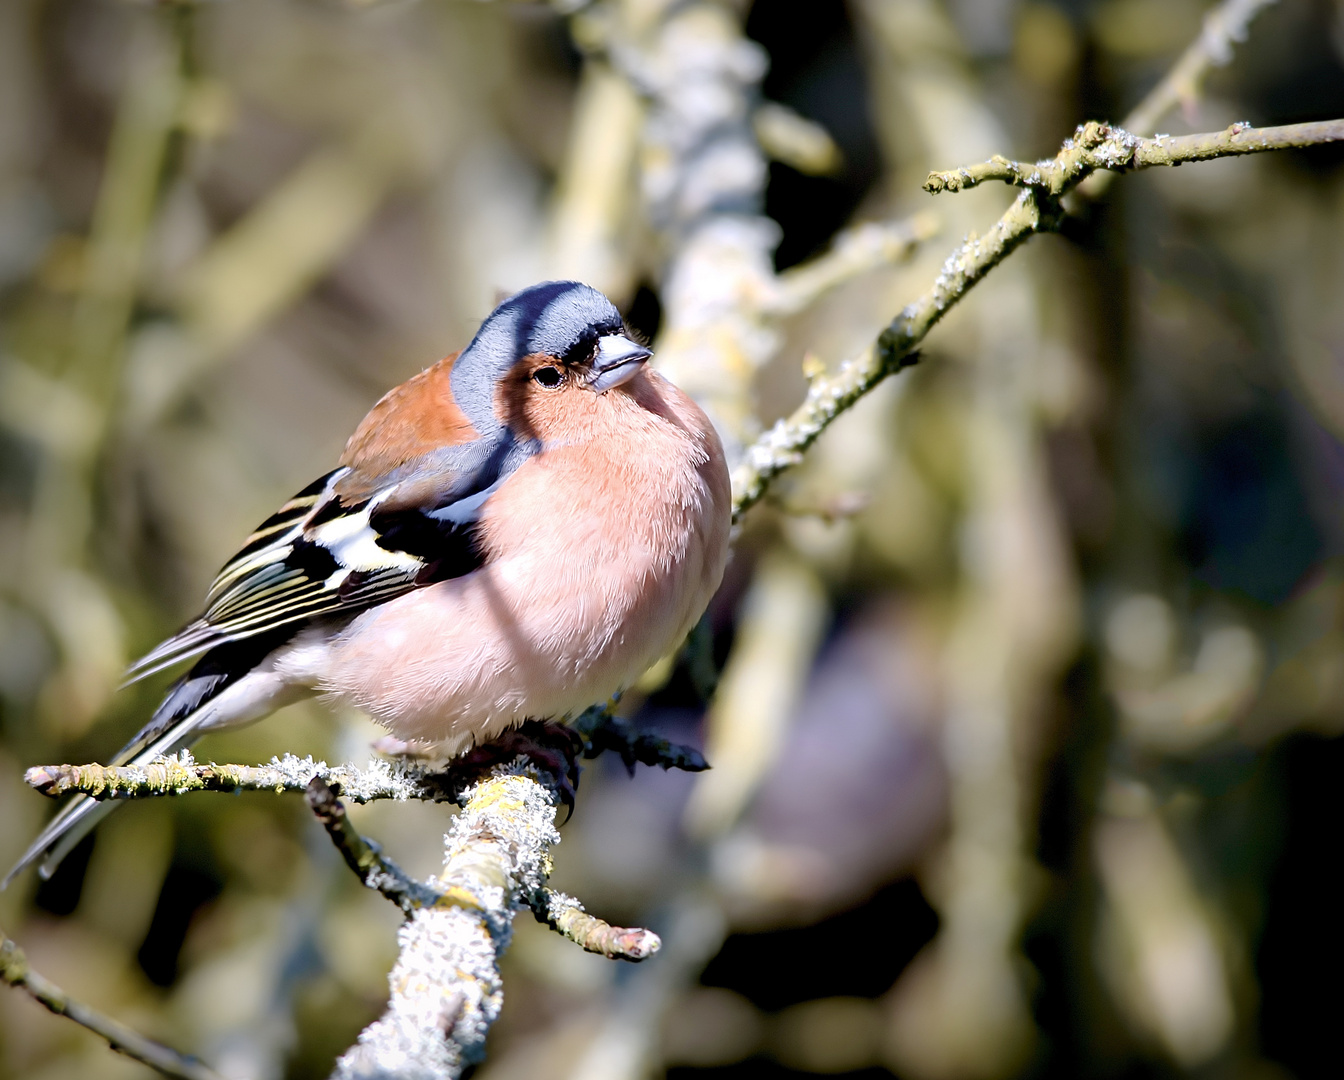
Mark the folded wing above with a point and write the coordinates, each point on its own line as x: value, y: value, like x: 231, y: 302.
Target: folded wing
x: 331, y: 551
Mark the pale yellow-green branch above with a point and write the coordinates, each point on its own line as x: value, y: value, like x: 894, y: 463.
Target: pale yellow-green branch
x: 1038, y: 208
x: 1100, y: 146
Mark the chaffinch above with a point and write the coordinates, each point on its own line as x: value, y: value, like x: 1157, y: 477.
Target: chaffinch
x: 515, y: 533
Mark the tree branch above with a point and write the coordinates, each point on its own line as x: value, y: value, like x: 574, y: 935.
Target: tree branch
x: 1100, y: 146
x: 180, y: 773
x: 601, y: 730
x: 562, y: 913
x: 1037, y: 209
x: 854, y: 252
x: 566, y: 916
x: 432, y: 781
x: 446, y: 987
x: 363, y: 856
x: 1224, y: 26
x: 15, y: 971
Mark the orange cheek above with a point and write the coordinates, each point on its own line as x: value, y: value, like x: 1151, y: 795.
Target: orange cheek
x: 536, y: 412
x: 562, y: 415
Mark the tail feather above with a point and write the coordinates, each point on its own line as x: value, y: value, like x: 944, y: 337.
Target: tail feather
x: 77, y: 819
x: 230, y: 685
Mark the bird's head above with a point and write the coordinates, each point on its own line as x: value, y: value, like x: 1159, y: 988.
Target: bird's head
x: 542, y: 359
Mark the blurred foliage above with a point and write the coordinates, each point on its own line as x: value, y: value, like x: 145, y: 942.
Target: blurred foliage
x: 1028, y: 739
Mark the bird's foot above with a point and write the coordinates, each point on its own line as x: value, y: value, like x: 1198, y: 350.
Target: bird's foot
x: 552, y: 748
x: 601, y: 730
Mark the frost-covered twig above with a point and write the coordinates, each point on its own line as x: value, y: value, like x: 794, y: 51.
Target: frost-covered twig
x: 15, y: 971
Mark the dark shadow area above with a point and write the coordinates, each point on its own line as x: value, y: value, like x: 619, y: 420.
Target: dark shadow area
x: 859, y: 953
x: 185, y: 891
x: 815, y: 69
x: 1301, y: 950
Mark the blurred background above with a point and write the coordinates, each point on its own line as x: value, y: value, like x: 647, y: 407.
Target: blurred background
x: 1028, y: 742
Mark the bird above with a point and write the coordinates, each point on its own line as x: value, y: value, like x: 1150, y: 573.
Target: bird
x: 516, y: 533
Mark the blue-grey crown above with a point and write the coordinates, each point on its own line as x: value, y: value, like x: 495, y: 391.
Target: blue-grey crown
x: 554, y: 318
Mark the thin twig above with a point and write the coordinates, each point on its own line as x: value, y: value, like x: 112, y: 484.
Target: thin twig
x: 446, y: 988
x: 1224, y: 26
x: 1099, y: 146
x: 15, y: 971
x: 566, y: 916
x: 1037, y: 209
x: 180, y: 773
x: 363, y: 856
x: 854, y: 252
x: 601, y: 730
x: 560, y: 912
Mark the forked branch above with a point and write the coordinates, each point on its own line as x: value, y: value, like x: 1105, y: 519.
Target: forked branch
x: 1039, y: 208
x: 1100, y: 146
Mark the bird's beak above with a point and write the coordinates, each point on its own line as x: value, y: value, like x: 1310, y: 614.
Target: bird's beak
x: 618, y: 359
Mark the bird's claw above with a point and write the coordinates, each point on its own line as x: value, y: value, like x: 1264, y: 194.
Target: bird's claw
x: 553, y: 748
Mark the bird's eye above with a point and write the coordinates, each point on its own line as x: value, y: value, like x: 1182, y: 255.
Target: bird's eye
x: 548, y: 377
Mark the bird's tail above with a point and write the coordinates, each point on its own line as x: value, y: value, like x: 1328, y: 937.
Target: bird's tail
x: 228, y: 686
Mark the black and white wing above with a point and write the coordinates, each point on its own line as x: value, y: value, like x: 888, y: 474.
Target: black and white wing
x: 319, y: 555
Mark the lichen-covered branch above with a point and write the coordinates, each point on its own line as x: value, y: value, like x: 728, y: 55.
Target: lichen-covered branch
x: 446, y: 989
x: 562, y: 913
x: 1100, y: 146
x: 14, y: 971
x: 566, y: 916
x: 180, y: 773
x: 829, y: 395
